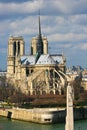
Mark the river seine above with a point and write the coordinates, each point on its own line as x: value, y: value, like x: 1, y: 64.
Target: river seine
x: 6, y: 124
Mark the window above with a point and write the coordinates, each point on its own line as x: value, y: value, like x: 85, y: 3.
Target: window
x: 14, y: 48
x: 18, y: 47
x: 27, y: 72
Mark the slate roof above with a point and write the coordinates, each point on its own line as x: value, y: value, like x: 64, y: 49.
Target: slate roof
x: 28, y: 60
x: 43, y: 60
x: 46, y: 59
x: 58, y: 58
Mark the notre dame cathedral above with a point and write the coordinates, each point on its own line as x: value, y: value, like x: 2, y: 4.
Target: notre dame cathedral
x: 38, y: 73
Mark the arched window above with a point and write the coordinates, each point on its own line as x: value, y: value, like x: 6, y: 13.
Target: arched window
x: 32, y: 71
x: 62, y: 92
x: 18, y: 47
x: 51, y: 92
x: 27, y: 72
x: 57, y: 92
x: 33, y: 92
x: 43, y: 92
x: 51, y: 73
x: 14, y: 48
x: 38, y: 92
x: 28, y: 92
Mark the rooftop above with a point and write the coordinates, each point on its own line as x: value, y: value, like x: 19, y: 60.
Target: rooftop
x: 43, y: 59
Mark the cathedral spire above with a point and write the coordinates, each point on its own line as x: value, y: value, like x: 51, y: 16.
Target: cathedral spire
x: 39, y: 41
x: 39, y: 24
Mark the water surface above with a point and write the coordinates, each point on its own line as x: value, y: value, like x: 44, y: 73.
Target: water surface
x: 6, y: 124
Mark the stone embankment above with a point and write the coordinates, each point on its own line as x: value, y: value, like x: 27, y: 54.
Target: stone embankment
x: 43, y: 115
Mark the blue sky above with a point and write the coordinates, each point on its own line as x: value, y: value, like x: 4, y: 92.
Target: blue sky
x: 63, y: 22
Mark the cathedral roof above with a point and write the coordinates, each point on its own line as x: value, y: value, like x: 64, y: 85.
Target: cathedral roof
x: 28, y: 60
x: 46, y: 59
x: 58, y: 58
x: 43, y: 60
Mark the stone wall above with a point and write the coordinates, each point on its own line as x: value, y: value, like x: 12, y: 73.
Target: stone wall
x: 52, y: 115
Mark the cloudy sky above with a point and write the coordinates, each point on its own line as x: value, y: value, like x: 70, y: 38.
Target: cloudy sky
x: 63, y: 22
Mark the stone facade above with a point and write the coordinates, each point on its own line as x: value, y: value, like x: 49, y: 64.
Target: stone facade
x: 41, y: 77
x: 15, y: 49
x: 38, y: 73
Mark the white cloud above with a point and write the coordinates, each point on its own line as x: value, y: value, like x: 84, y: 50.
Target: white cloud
x: 66, y: 46
x: 84, y: 46
x: 69, y: 37
x: 81, y: 46
x: 57, y: 29
x: 20, y: 8
x: 51, y: 7
x: 59, y: 7
x: 80, y: 19
x: 71, y: 46
x: 19, y: 26
x: 62, y: 5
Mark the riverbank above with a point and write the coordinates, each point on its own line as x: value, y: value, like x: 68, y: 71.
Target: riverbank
x: 43, y: 115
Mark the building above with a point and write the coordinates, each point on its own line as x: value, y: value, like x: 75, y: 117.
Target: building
x: 84, y: 79
x: 38, y: 73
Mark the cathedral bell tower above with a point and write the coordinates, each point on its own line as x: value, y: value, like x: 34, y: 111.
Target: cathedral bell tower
x: 15, y: 50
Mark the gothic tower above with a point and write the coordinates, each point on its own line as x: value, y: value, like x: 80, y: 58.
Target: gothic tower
x: 15, y: 49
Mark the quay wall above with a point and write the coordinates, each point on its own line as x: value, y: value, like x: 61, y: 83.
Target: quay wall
x: 42, y: 115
